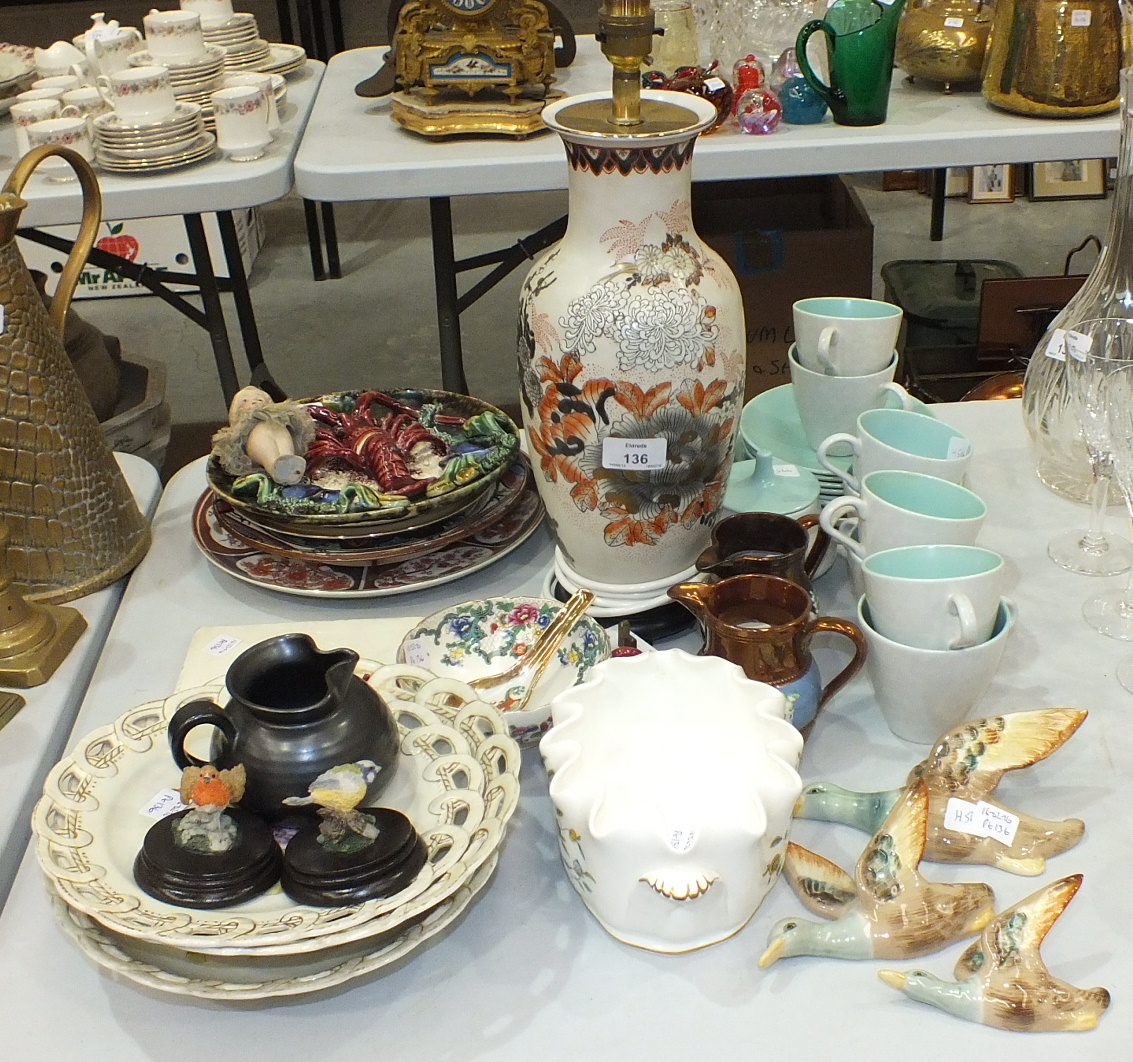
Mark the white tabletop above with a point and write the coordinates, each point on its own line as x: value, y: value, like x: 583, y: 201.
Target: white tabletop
x: 36, y: 737
x: 353, y: 150
x: 527, y: 973
x: 218, y: 184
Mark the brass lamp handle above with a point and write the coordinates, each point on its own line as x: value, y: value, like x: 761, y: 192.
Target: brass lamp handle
x: 88, y: 230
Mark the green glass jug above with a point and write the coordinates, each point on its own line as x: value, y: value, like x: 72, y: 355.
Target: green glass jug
x: 860, y: 39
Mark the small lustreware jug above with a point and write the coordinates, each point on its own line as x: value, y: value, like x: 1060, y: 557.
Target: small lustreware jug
x: 765, y: 624
x: 768, y: 543
x: 295, y: 711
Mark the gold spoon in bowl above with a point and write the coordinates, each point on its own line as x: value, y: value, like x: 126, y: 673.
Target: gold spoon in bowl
x: 524, y: 674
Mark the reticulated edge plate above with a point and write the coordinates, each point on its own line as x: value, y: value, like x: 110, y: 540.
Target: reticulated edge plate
x: 457, y: 779
x: 122, y: 956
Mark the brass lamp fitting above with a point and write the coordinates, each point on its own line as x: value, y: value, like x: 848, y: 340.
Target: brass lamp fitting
x: 625, y: 31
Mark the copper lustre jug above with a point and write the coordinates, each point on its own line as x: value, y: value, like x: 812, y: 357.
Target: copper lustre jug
x: 73, y: 521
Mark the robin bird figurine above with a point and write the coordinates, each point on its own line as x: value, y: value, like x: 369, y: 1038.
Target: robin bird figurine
x: 209, y: 791
x: 337, y: 794
x: 887, y: 910
x: 1002, y: 980
x: 967, y: 764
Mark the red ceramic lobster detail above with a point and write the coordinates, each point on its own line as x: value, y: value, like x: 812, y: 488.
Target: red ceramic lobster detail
x: 379, y: 439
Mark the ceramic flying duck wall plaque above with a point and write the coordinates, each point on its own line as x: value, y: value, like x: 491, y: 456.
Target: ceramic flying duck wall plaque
x: 887, y: 909
x: 965, y: 766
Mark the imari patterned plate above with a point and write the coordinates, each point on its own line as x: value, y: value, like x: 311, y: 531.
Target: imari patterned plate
x: 457, y: 779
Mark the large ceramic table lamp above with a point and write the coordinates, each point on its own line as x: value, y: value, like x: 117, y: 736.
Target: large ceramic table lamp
x: 631, y: 340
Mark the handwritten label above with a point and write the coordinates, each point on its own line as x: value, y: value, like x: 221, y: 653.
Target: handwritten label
x: 223, y: 644
x: 790, y: 471
x: 681, y: 840
x: 634, y: 455
x: 415, y: 653
x: 165, y: 803
x: 980, y: 820
x: 954, y: 23
x: 958, y: 447
x: 1080, y: 17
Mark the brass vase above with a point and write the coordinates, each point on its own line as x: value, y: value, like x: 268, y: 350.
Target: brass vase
x: 1053, y: 59
x: 943, y: 41
x: 73, y: 521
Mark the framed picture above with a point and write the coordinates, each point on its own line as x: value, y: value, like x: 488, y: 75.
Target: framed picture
x: 992, y: 184
x: 1069, y: 179
x: 956, y: 183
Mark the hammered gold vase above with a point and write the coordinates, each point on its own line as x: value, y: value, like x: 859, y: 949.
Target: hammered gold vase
x: 943, y: 41
x: 73, y: 523
x: 1054, y: 59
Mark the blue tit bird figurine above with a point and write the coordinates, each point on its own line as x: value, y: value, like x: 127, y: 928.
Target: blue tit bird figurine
x: 1002, y: 981
x: 888, y: 909
x: 337, y: 792
x: 967, y: 764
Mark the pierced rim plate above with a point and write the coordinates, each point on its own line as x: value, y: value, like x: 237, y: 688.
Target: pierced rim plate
x: 212, y: 979
x: 457, y: 779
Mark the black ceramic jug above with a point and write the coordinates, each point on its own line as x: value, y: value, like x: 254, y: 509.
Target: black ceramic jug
x: 295, y: 712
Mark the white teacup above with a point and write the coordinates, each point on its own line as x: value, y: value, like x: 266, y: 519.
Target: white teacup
x: 174, y: 36
x: 73, y: 133
x: 934, y: 597
x: 40, y: 94
x: 27, y: 112
x: 924, y: 693
x: 86, y: 101
x: 845, y: 336
x: 899, y: 508
x: 241, y: 122
x: 898, y: 438
x: 266, y: 84
x: 60, y: 83
x: 831, y: 404
x: 213, y: 13
x: 140, y: 94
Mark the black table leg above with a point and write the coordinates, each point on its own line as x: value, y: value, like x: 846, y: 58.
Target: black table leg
x: 936, y: 226
x: 314, y: 239
x: 330, y: 239
x: 448, y: 311
x: 214, y: 312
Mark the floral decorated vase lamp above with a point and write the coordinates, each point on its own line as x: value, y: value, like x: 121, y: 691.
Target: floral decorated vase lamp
x: 631, y: 341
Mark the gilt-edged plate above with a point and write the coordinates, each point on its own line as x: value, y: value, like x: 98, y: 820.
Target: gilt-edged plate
x: 457, y: 779
x: 17, y: 72
x: 477, y: 444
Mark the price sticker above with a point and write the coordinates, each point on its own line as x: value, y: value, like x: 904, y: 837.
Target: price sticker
x: 681, y: 840
x: 1078, y: 345
x: 223, y: 644
x: 165, y: 803
x: 715, y: 84
x: 960, y: 815
x: 980, y: 820
x: 954, y: 23
x: 998, y: 824
x: 1081, y: 17
x: 958, y: 447
x: 1056, y: 345
x: 789, y: 471
x: 634, y: 455
x: 1, y: 320
x: 415, y: 653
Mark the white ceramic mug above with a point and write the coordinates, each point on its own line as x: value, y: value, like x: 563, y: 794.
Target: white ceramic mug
x: 898, y: 438
x: 831, y: 404
x: 266, y: 84
x: 924, y: 693
x: 213, y: 13
x: 27, y: 112
x: 845, y: 336
x: 934, y: 597
x: 174, y: 36
x: 241, y: 115
x: 73, y: 133
x: 140, y: 94
x: 899, y: 508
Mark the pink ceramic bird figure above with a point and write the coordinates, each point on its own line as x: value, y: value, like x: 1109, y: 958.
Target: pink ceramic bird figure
x: 887, y: 910
x: 1002, y: 980
x: 967, y: 764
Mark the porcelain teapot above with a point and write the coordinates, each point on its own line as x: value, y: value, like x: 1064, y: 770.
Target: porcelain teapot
x: 673, y: 779
x: 107, y: 45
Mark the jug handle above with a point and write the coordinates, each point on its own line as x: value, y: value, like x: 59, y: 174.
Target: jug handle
x: 851, y: 631
x: 193, y: 714
x: 814, y: 26
x: 821, y: 543
x: 88, y: 230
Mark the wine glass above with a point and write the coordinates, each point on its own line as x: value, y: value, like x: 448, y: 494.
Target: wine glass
x: 1112, y: 614
x: 1091, y: 551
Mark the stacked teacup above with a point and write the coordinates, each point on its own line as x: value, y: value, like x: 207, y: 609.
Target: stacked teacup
x: 175, y: 40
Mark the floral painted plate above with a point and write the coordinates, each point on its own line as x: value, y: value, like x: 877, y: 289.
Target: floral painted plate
x: 17, y: 72
x: 478, y: 444
x: 457, y: 778
x: 322, y: 579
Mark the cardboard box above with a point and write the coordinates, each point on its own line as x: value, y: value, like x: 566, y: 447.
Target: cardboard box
x: 159, y: 242
x: 786, y: 239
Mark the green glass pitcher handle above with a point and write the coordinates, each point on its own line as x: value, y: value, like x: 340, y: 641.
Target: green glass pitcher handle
x: 816, y: 25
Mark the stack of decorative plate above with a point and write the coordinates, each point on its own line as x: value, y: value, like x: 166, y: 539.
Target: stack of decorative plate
x: 175, y: 141
x: 17, y: 72
x: 193, y: 82
x: 457, y: 779
x: 340, y: 533
x: 284, y: 59
x: 241, y: 28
